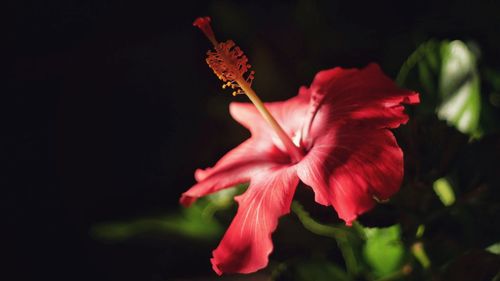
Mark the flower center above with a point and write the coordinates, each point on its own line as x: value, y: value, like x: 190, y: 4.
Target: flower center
x: 231, y: 66
x: 297, y: 138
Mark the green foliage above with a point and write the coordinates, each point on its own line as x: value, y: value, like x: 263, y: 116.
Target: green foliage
x: 459, y: 88
x: 449, y: 83
x: 384, y: 250
x: 494, y: 249
x: 195, y: 222
x: 444, y: 191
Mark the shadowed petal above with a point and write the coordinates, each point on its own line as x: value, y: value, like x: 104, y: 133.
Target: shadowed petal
x: 290, y: 114
x: 363, y: 97
x: 247, y: 115
x: 247, y: 243
x: 347, y: 168
x: 263, y: 150
x: 236, y: 167
x: 352, y: 156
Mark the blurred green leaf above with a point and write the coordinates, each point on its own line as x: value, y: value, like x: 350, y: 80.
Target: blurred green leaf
x: 420, y: 231
x: 384, y: 251
x: 224, y: 198
x: 195, y: 222
x: 448, y: 80
x: 494, y: 249
x: 459, y: 88
x: 420, y: 254
x: 444, y: 191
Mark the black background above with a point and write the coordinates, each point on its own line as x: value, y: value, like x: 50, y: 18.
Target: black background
x: 110, y: 108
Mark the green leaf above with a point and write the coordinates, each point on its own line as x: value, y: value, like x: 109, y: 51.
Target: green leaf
x: 418, y: 251
x: 444, y: 191
x: 448, y: 80
x: 384, y: 251
x: 224, y: 198
x: 459, y: 88
x: 494, y: 249
x: 194, y: 222
x: 426, y: 78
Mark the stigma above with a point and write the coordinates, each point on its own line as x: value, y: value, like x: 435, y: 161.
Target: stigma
x: 231, y: 66
x: 227, y: 60
x: 203, y: 23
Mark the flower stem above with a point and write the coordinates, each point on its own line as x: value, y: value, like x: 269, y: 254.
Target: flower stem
x: 295, y: 153
x: 418, y: 251
x: 340, y: 235
x: 230, y: 70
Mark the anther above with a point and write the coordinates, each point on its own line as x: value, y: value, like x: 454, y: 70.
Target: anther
x: 231, y: 66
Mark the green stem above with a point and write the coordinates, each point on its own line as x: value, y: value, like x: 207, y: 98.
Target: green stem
x: 295, y: 152
x: 418, y: 251
x: 340, y: 235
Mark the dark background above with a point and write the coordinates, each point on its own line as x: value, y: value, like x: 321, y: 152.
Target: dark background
x: 111, y: 107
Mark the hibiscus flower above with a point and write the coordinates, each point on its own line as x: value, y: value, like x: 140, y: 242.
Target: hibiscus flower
x: 333, y: 136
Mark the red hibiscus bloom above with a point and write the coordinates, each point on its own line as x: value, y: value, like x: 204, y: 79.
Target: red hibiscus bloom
x: 344, y: 151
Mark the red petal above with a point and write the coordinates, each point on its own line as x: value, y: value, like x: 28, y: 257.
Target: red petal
x: 247, y: 115
x: 261, y: 151
x: 364, y: 97
x: 247, y: 243
x: 289, y: 114
x: 236, y: 167
x: 353, y: 157
x: 348, y: 167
